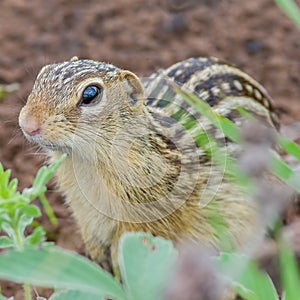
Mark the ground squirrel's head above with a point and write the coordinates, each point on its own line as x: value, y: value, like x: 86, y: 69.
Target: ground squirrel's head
x: 79, y: 98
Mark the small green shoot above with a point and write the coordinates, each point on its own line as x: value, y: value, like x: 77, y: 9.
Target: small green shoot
x: 17, y: 212
x: 290, y: 276
x: 291, y: 9
x: 245, y: 277
x: 8, y: 88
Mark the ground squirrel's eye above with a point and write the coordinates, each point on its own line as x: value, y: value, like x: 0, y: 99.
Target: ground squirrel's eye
x: 90, y: 95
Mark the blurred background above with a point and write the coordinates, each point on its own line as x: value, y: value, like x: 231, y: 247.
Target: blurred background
x: 141, y: 36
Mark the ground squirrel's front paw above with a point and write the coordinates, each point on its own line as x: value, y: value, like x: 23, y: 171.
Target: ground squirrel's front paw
x: 101, y: 254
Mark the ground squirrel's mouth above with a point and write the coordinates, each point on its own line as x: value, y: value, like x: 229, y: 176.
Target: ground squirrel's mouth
x: 41, y: 142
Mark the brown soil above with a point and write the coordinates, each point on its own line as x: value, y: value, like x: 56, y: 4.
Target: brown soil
x: 141, y: 36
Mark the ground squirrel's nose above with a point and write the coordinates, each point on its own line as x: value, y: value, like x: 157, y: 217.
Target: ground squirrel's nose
x: 29, y: 124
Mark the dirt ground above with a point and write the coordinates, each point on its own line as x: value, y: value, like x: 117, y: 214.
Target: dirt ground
x: 141, y: 36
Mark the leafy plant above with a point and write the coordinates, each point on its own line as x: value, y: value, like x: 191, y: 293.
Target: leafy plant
x: 254, y: 284
x: 245, y: 278
x: 17, y: 212
x: 145, y: 264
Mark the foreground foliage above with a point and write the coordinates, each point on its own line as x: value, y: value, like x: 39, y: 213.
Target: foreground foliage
x: 145, y: 262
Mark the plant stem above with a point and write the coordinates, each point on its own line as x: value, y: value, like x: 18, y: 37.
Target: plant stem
x: 48, y: 209
x: 20, y: 247
x: 26, y: 288
x: 18, y: 240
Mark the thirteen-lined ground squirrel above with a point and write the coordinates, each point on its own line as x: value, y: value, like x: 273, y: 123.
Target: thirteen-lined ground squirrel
x: 133, y: 164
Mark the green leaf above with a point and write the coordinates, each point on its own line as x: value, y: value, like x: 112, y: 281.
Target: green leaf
x: 229, y: 129
x: 4, y: 221
x: 43, y: 176
x: 290, y: 147
x: 48, y: 209
x: 6, y: 226
x: 291, y: 9
x: 245, y: 277
x: 145, y: 264
x: 36, y: 238
x: 289, y: 272
x: 31, y: 211
x: 13, y: 186
x: 54, y: 267
x: 74, y: 295
x: 24, y: 221
x: 39, y: 188
x: 285, y: 173
x: 242, y: 291
x: 5, y: 242
x: 4, y: 178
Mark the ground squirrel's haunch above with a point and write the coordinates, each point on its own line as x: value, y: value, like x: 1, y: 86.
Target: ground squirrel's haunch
x: 133, y: 161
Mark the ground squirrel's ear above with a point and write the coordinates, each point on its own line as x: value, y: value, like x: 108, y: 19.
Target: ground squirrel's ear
x: 132, y: 85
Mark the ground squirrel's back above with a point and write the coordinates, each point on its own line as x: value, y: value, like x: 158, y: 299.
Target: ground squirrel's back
x: 224, y: 87
x: 131, y: 165
x: 219, y: 84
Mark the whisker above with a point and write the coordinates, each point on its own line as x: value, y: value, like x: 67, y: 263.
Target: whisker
x: 15, y: 135
x: 8, y: 121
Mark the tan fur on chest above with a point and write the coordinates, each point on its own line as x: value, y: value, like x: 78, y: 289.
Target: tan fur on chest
x: 89, y: 197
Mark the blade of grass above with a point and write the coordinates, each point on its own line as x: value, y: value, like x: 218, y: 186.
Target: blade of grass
x: 290, y: 147
x: 285, y: 173
x: 245, y: 277
x: 290, y: 276
x: 48, y: 209
x: 225, y: 125
x: 278, y: 167
x: 291, y: 9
